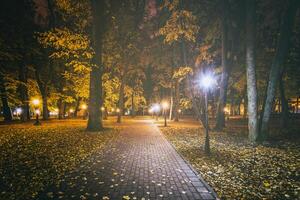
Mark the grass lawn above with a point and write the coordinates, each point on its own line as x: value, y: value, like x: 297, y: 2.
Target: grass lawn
x: 236, y: 169
x: 34, y: 157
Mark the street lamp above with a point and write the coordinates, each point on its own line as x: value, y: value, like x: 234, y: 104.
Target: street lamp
x: 207, y: 82
x: 165, y: 106
x: 36, y: 103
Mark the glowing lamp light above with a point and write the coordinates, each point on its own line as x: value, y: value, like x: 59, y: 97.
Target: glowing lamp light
x: 71, y: 110
x: 19, y: 111
x: 165, y: 105
x: 179, y: 111
x: 150, y: 110
x: 84, y: 106
x: 156, y: 107
x: 226, y: 110
x: 36, y: 102
x: 102, y: 108
x: 207, y: 81
x: 118, y: 110
x: 37, y: 111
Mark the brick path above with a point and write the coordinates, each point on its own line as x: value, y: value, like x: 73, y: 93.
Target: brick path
x: 141, y: 164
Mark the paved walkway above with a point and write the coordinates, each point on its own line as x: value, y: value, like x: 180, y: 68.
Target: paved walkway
x: 140, y: 165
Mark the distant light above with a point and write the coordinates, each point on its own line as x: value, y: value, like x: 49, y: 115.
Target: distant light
x: 165, y: 105
x: 179, y: 110
x: 150, y: 110
x: 36, y: 102
x: 84, y: 106
x: 102, y: 108
x: 19, y: 111
x: 71, y: 110
x: 226, y: 110
x: 56, y: 110
x: 53, y: 113
x: 112, y: 110
x: 37, y: 111
x: 156, y: 107
x: 118, y: 110
x: 207, y: 81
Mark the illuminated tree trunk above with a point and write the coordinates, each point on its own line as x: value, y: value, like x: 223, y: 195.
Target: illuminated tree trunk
x: 44, y: 92
x: 220, y: 120
x: 25, y: 116
x: 6, y: 109
x: 277, y: 64
x: 176, y: 101
x: 77, y: 106
x: 171, y: 105
x: 121, y: 100
x: 60, y: 105
x: 132, y: 105
x: 45, y: 107
x: 95, y: 98
x: 284, y: 118
x: 251, y: 74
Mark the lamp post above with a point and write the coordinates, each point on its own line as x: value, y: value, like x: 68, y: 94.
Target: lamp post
x: 165, y: 106
x: 207, y: 82
x: 36, y: 104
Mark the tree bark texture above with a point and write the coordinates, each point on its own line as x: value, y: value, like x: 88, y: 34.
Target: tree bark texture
x: 6, y: 109
x: 220, y: 120
x: 286, y: 29
x: 251, y: 74
x: 95, y: 98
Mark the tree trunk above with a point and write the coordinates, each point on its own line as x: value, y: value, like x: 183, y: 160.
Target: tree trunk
x: 286, y: 29
x: 45, y: 107
x: 132, y: 105
x: 171, y: 105
x: 220, y: 120
x: 284, y: 118
x: 6, y: 109
x: 77, y: 107
x: 121, y: 100
x: 95, y: 98
x: 176, y: 101
x: 25, y: 116
x: 44, y: 92
x: 251, y: 74
x: 60, y: 105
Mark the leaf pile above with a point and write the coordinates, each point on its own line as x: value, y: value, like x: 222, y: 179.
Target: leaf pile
x: 32, y: 158
x: 238, y: 170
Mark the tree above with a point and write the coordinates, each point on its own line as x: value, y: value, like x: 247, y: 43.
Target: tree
x: 283, y: 44
x: 220, y: 120
x: 251, y: 74
x: 95, y: 98
x: 7, y: 114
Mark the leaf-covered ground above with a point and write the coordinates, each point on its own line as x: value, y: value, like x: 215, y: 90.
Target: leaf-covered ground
x: 32, y: 158
x: 236, y: 169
